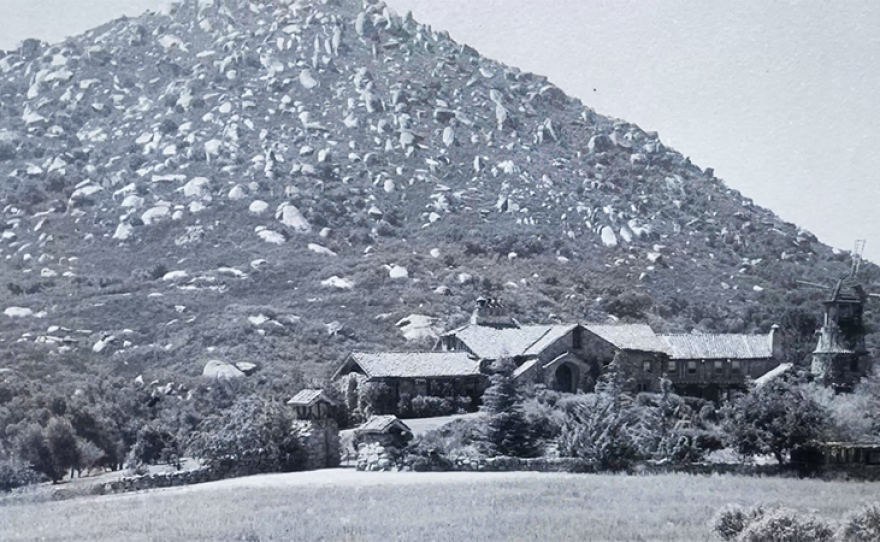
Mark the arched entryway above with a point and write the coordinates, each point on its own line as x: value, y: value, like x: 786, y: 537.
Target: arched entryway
x: 566, y: 380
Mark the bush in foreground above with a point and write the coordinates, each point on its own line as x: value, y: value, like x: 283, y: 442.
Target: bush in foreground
x: 786, y: 525
x: 733, y: 519
x: 862, y: 525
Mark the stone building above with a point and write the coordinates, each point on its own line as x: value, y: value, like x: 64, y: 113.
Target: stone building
x: 379, y: 442
x: 571, y: 357
x: 410, y: 374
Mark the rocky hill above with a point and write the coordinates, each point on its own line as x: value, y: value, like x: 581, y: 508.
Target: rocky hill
x: 280, y: 182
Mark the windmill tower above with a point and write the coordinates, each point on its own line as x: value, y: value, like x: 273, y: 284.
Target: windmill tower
x: 840, y: 359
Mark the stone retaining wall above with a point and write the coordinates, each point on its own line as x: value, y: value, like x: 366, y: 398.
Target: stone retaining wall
x: 152, y: 481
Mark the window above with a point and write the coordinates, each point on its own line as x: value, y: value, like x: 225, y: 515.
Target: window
x: 719, y: 367
x: 692, y: 367
x: 576, y: 338
x: 671, y: 366
x: 736, y: 366
x: 854, y: 365
x: 646, y: 366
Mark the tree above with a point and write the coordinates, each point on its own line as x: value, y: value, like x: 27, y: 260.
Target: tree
x: 774, y: 419
x: 508, y: 430
x: 32, y: 447
x: 253, y: 435
x: 61, y: 439
x: 90, y: 455
x: 154, y: 445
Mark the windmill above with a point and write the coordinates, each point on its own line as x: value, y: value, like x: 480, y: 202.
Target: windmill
x: 840, y: 357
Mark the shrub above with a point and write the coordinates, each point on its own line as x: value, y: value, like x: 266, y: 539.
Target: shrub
x: 15, y: 474
x: 375, y: 398
x: 597, y: 428
x: 438, y: 449
x: 775, y: 419
x: 862, y: 525
x: 733, y: 519
x: 251, y: 436
x: 786, y: 525
x: 154, y: 445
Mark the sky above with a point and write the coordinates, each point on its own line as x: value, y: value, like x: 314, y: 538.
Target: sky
x: 779, y: 97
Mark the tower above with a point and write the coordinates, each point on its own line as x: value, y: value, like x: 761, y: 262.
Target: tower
x: 840, y: 357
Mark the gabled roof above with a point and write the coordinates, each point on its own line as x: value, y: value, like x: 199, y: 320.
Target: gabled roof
x: 494, y: 343
x: 726, y: 346
x: 382, y: 424
x: 309, y: 397
x: 628, y: 336
x: 412, y: 364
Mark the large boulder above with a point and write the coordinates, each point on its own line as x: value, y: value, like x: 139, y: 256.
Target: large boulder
x: 221, y: 370
x: 600, y: 143
x: 418, y: 328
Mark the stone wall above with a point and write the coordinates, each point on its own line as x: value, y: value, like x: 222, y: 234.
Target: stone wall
x: 320, y: 443
x: 152, y: 481
x: 375, y: 456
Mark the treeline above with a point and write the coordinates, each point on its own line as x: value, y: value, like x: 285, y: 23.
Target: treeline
x: 112, y: 424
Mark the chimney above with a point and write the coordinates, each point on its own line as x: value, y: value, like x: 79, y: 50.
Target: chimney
x: 775, y: 339
x: 491, y: 313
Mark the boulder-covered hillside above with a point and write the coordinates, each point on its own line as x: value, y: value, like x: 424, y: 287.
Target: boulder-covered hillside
x: 281, y: 182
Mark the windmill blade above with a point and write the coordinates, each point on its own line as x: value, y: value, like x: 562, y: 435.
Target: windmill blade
x: 858, y: 249
x: 813, y: 284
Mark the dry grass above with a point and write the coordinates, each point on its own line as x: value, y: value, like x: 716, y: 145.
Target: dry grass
x: 345, y: 505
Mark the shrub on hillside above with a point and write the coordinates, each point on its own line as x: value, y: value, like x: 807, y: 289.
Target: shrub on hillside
x: 862, y: 525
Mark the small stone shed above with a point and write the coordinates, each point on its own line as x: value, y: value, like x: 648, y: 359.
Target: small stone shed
x: 386, y: 430
x: 379, y: 442
x: 316, y: 429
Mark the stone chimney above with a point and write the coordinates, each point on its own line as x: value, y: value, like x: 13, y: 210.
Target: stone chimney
x: 775, y: 339
x: 491, y: 313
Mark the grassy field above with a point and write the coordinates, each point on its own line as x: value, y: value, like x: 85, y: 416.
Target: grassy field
x: 347, y: 505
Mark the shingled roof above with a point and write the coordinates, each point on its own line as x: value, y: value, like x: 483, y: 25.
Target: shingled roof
x: 628, y: 336
x: 493, y: 343
x: 308, y: 397
x: 382, y: 424
x: 727, y: 346
x: 412, y: 364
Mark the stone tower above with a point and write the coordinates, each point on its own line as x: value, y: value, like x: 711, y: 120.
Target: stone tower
x: 841, y: 358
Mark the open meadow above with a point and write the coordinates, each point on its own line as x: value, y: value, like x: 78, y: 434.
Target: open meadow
x: 347, y: 505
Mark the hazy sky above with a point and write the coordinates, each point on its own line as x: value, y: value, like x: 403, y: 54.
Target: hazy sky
x: 780, y: 98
